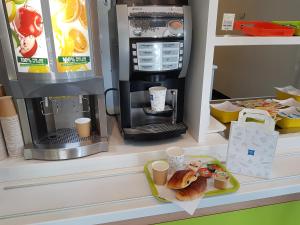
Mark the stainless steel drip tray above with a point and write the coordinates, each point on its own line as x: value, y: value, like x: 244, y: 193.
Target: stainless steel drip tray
x: 65, y: 144
x: 155, y: 131
x: 66, y: 137
x: 168, y: 111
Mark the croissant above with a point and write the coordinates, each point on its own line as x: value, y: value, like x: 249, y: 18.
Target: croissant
x: 181, y: 179
x: 193, y: 191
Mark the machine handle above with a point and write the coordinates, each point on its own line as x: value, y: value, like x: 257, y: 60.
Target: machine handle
x: 173, y: 106
x: 105, y: 93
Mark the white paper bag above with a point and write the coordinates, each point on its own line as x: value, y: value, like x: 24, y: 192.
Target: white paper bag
x: 252, y: 145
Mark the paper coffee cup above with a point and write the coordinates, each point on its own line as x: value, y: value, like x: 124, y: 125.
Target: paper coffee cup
x: 160, y: 172
x: 7, y: 107
x: 83, y: 127
x: 176, y: 158
x: 158, y: 98
x: 2, y: 91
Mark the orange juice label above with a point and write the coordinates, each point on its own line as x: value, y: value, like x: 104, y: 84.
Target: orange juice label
x: 71, y: 36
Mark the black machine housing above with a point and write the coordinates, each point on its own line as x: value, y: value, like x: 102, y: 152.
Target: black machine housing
x: 136, y: 119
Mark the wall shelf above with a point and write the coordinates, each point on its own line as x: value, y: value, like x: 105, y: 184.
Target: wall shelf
x: 248, y: 40
x: 207, y: 15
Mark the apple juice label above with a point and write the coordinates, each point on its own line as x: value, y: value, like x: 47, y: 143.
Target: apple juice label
x: 71, y: 36
x: 27, y: 33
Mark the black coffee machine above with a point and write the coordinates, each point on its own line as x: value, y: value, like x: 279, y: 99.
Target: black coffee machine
x: 154, y: 43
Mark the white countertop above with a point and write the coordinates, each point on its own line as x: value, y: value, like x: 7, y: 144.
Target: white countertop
x: 110, y: 187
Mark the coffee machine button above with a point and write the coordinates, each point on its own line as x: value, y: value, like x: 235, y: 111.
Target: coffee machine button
x: 180, y: 59
x: 181, y: 52
x: 180, y: 65
x: 135, y: 60
x: 134, y: 46
x: 136, y: 67
x: 181, y: 45
x: 134, y: 53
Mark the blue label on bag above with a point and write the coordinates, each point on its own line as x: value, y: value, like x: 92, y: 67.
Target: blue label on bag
x: 251, y: 152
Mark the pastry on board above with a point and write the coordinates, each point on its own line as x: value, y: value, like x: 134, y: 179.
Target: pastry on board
x: 193, y: 191
x: 181, y: 179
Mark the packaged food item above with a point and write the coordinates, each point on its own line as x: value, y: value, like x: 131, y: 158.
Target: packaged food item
x: 221, y: 180
x: 204, y: 172
x: 214, y: 168
x: 225, y: 112
x: 287, y: 92
x: 288, y: 102
x: 195, y: 165
x: 269, y: 105
x: 290, y: 118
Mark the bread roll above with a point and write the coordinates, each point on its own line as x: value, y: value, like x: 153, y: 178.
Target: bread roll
x: 181, y: 179
x: 193, y: 191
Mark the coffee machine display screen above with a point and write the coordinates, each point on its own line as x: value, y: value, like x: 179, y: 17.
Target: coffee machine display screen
x: 158, y: 56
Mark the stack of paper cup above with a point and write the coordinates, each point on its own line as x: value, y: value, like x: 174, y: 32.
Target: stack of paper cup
x: 158, y: 98
x: 3, y: 152
x: 11, y: 127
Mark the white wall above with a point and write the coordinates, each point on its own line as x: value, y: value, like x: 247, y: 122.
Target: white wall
x: 254, y: 70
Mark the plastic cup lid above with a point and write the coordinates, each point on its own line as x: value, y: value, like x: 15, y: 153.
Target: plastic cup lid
x: 158, y: 88
x: 82, y: 120
x: 160, y: 165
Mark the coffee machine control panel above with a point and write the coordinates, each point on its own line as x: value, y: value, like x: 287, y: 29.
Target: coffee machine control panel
x: 156, y: 38
x: 157, y: 56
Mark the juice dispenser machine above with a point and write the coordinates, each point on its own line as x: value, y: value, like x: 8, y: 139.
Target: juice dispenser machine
x: 154, y: 48
x: 53, y: 62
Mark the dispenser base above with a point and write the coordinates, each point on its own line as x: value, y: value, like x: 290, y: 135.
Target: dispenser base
x: 71, y: 152
x: 155, y: 131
